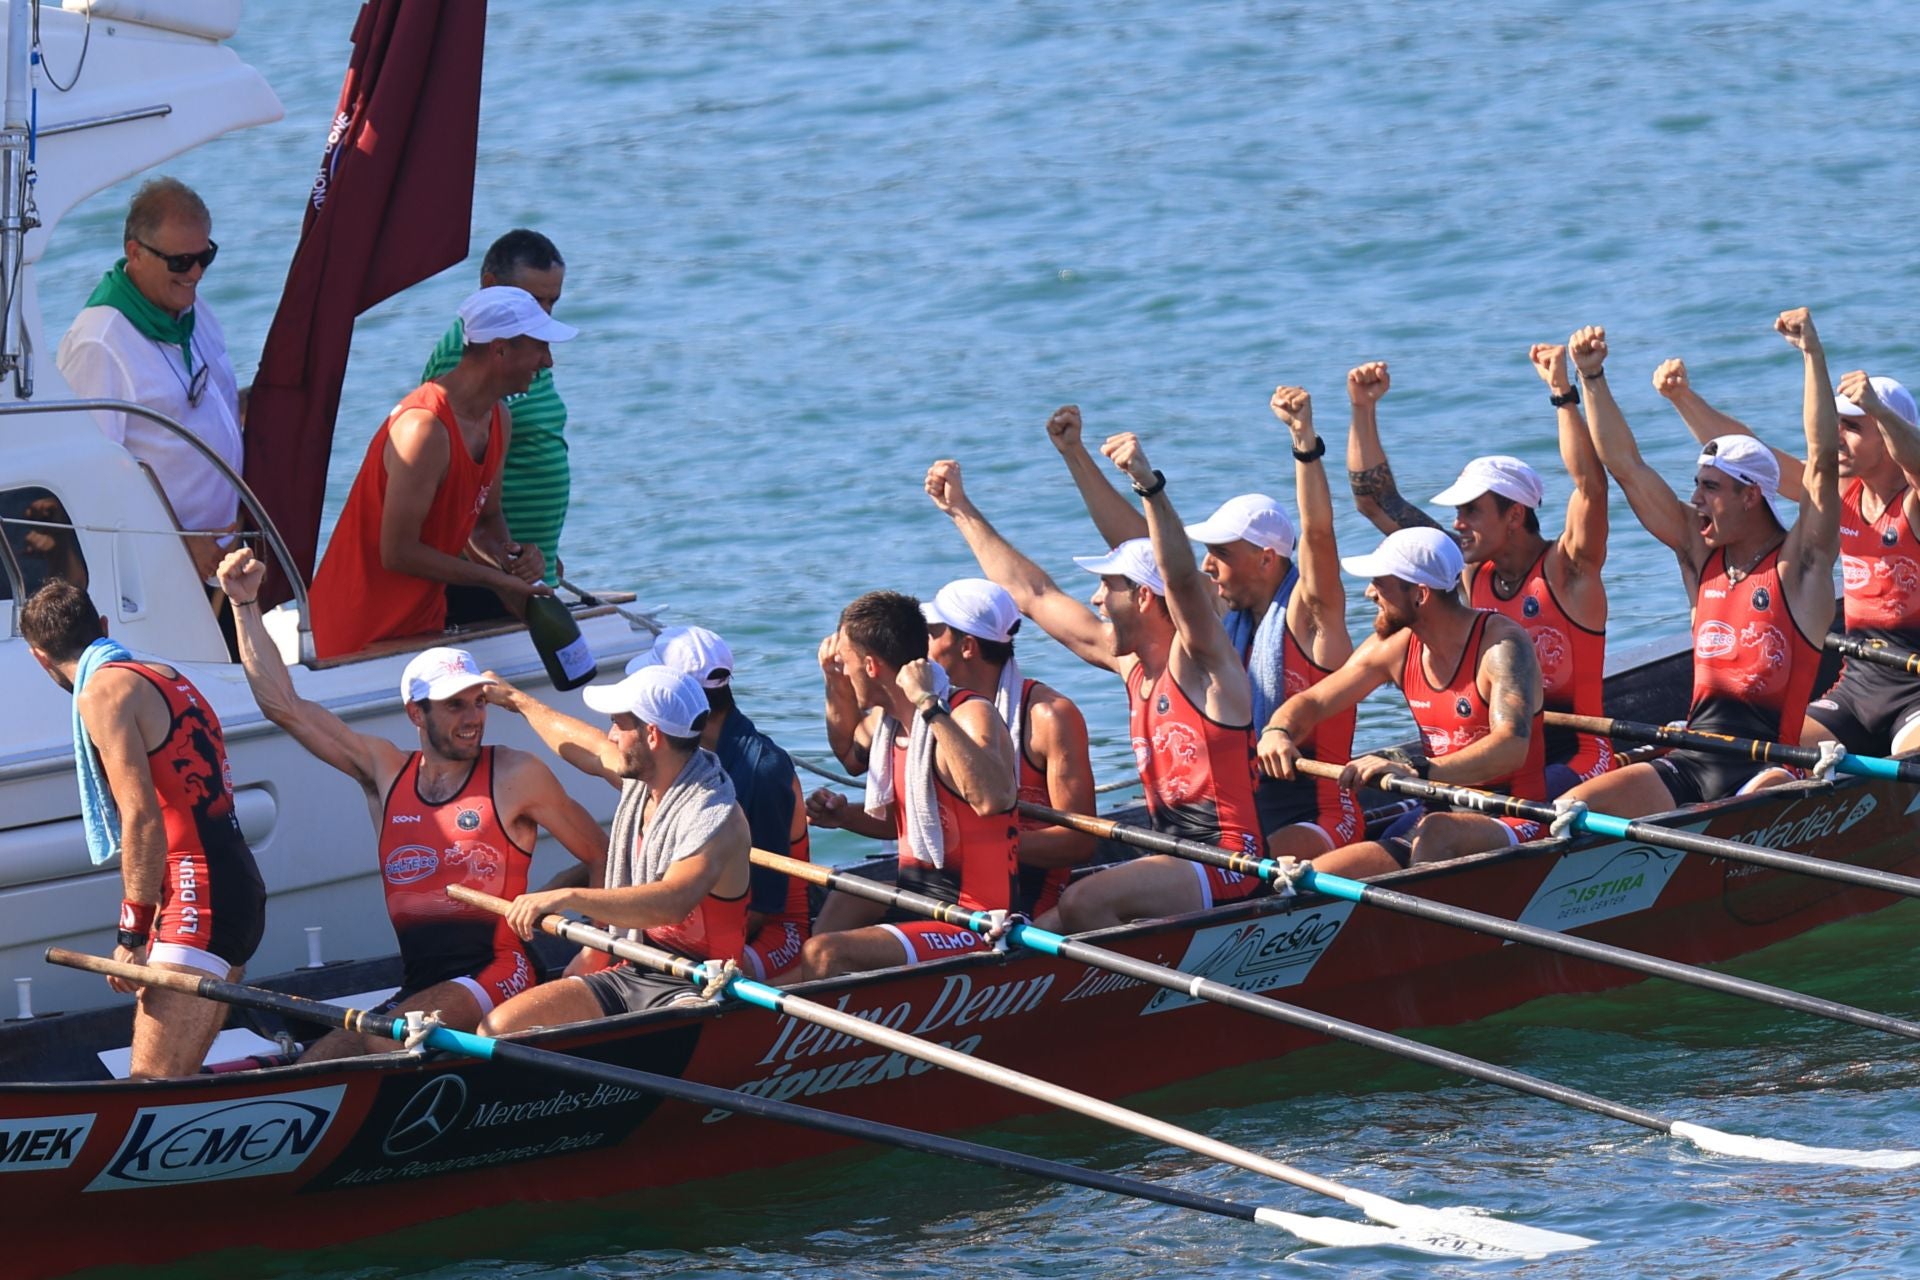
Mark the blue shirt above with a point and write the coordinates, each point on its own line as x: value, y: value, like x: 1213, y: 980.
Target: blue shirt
x: 762, y: 777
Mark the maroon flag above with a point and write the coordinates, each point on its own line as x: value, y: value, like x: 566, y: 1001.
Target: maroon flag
x: 390, y: 207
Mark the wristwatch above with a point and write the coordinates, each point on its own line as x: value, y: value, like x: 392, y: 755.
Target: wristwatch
x: 931, y: 706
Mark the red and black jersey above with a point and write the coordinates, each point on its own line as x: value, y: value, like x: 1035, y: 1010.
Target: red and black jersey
x: 1880, y: 569
x: 716, y: 929
x: 426, y: 847
x: 1753, y: 670
x: 979, y: 864
x: 1453, y: 715
x: 1198, y: 774
x: 1573, y: 662
x: 1040, y: 887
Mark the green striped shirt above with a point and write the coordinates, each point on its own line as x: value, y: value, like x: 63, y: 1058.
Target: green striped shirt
x: 535, y: 482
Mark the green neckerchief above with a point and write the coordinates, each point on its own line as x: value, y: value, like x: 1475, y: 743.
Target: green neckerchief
x: 120, y: 293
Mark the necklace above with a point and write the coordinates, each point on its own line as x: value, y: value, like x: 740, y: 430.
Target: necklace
x: 1737, y: 575
x: 196, y: 389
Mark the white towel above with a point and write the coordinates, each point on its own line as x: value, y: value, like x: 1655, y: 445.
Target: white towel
x: 916, y: 790
x: 1006, y: 700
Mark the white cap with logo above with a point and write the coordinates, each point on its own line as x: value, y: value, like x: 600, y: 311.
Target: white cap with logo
x: 502, y: 311
x: 1251, y: 517
x: 671, y: 701
x: 1496, y: 473
x: 1424, y: 557
x: 1132, y: 560
x: 974, y: 607
x: 1892, y: 395
x: 439, y: 673
x: 694, y: 651
x: 1745, y: 459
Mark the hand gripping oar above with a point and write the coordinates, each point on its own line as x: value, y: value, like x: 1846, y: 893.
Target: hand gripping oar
x: 1033, y: 938
x: 1581, y: 819
x: 714, y: 1097
x: 1304, y: 876
x: 1750, y: 748
x: 1454, y: 1232
x: 1876, y: 651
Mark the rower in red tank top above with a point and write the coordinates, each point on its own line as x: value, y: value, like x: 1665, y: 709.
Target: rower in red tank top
x: 424, y: 849
x: 1038, y: 889
x: 716, y: 929
x: 1573, y: 663
x: 1454, y: 715
x: 1873, y: 709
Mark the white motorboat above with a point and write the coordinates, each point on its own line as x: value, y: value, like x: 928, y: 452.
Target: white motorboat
x: 155, y: 82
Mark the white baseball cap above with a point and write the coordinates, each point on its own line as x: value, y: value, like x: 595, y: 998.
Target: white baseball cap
x: 1496, y: 473
x: 1251, y: 517
x: 1425, y: 557
x: 1132, y: 560
x: 671, y: 701
x: 694, y: 651
x: 1892, y: 395
x: 502, y: 311
x: 1745, y: 459
x: 439, y: 673
x: 975, y: 607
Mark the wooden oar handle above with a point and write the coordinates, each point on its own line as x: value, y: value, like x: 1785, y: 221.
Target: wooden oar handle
x: 549, y: 923
x: 1602, y: 725
x: 1103, y: 827
x: 145, y: 975
x: 792, y: 867
x: 1318, y: 768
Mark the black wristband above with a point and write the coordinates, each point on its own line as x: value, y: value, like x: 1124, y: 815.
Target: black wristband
x: 1572, y: 397
x: 1423, y: 766
x: 1595, y: 376
x: 1314, y: 454
x: 130, y: 940
x: 1159, y: 483
x: 934, y: 709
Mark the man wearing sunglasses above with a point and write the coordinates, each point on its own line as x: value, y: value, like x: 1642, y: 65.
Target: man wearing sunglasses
x: 146, y: 336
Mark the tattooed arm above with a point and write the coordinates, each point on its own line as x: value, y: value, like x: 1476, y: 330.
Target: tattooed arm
x: 1509, y: 680
x: 1368, y: 473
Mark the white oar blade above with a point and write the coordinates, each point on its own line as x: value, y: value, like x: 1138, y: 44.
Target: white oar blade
x: 1342, y: 1234
x: 1779, y: 1151
x: 1468, y: 1225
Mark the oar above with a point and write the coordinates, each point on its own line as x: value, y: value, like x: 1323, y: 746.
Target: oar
x: 1606, y: 824
x: 1878, y: 651
x: 1358, y: 891
x: 715, y: 1098
x: 1451, y: 1231
x: 1192, y: 985
x: 1727, y: 745
x: 638, y: 621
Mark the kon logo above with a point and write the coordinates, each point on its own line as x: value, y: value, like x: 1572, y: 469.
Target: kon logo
x: 210, y: 1141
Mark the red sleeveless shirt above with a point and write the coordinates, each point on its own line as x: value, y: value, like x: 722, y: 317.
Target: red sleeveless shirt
x: 979, y: 864
x: 1880, y: 567
x: 356, y: 599
x: 1198, y: 774
x: 1453, y: 715
x: 1573, y: 662
x: 1753, y: 670
x: 190, y: 773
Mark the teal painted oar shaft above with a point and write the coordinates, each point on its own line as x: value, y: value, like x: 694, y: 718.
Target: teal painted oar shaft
x: 1546, y: 939
x: 1754, y: 749
x: 709, y: 1096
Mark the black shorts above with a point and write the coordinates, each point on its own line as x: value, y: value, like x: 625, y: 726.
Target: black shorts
x: 625, y: 988
x: 1695, y: 777
x: 1868, y: 707
x: 213, y: 910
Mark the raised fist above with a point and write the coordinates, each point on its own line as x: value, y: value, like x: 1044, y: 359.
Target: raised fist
x: 915, y: 679
x: 1293, y: 406
x: 1796, y: 326
x: 943, y: 486
x: 1126, y: 453
x: 1063, y: 428
x: 826, y: 808
x: 1368, y: 382
x: 1588, y: 347
x: 1550, y: 362
x: 1855, y: 387
x: 1670, y: 379
x: 241, y: 574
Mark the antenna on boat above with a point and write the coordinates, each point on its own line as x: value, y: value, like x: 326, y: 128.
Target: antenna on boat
x: 14, y: 217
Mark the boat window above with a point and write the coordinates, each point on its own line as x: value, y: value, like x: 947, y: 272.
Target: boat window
x: 39, y: 542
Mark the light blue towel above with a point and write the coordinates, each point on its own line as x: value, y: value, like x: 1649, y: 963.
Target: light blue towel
x: 1263, y: 649
x: 98, y: 813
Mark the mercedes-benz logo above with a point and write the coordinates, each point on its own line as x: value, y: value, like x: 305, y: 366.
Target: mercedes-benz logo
x: 427, y: 1114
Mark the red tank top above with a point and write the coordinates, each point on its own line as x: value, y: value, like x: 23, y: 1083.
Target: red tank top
x: 1198, y: 774
x: 426, y: 847
x: 1037, y: 884
x: 979, y: 866
x: 190, y: 773
x: 716, y: 929
x: 1880, y: 566
x: 356, y: 600
x: 1454, y: 715
x: 1331, y: 741
x: 1573, y: 661
x: 1753, y: 670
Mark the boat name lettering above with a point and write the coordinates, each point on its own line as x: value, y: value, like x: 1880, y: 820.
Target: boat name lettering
x: 959, y: 1004
x: 1786, y: 831
x: 1577, y: 894
x: 877, y: 1068
x: 1262, y: 954
x: 1098, y: 982
x: 479, y: 1160
x: 42, y: 1142
x: 565, y: 1102
x: 799, y: 1039
x: 205, y: 1142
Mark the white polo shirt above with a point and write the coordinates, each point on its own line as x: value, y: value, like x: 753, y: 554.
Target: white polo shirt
x: 104, y: 357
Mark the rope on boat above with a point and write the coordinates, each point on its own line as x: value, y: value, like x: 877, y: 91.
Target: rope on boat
x: 1568, y: 815
x: 719, y: 977
x: 420, y: 1028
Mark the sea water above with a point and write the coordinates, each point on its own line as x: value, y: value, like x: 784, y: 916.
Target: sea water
x: 812, y: 248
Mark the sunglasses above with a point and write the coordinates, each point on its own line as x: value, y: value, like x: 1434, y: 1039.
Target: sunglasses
x: 181, y: 263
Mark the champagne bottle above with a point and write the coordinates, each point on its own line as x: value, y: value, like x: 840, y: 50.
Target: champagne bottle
x: 557, y: 638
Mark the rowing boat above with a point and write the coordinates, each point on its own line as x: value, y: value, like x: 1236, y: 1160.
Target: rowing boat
x: 301, y: 1153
